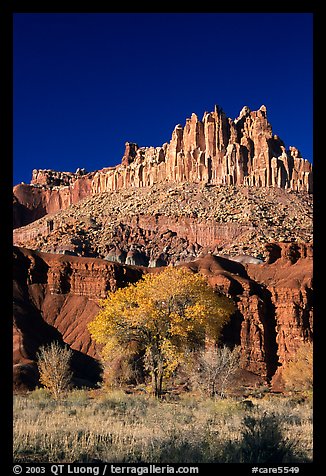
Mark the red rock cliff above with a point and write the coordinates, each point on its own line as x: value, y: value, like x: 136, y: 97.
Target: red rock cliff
x: 215, y: 150
x: 56, y: 296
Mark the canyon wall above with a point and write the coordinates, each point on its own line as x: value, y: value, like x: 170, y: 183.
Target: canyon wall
x: 55, y: 297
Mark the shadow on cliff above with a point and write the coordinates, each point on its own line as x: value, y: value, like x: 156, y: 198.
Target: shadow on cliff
x: 268, y: 319
x: 233, y: 267
x: 231, y: 333
x: 35, y: 332
x: 214, y: 265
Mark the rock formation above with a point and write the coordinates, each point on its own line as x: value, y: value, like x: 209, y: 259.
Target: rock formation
x: 54, y: 299
x: 214, y: 150
x: 166, y: 224
x: 224, y: 197
x: 56, y: 296
x: 33, y: 201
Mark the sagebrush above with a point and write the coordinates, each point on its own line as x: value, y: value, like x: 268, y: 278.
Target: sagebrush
x: 115, y: 427
x: 53, y: 363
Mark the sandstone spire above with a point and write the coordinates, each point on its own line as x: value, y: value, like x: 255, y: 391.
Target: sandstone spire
x: 215, y: 150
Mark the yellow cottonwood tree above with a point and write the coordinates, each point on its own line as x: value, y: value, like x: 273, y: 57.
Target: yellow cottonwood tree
x: 164, y: 314
x: 298, y: 372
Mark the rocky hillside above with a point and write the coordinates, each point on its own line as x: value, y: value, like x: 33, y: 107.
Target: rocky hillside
x: 215, y: 150
x: 162, y: 224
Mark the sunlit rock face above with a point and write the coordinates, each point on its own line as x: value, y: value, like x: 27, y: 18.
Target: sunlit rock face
x: 56, y: 296
x: 215, y: 150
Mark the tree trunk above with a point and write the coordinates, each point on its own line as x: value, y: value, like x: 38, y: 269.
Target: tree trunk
x: 160, y: 382
x: 157, y: 371
x: 157, y: 382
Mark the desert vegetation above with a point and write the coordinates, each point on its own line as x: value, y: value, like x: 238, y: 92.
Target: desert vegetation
x: 97, y: 425
x: 159, y: 320
x: 198, y: 418
x: 53, y: 363
x: 169, y: 392
x: 212, y: 371
x: 298, y: 373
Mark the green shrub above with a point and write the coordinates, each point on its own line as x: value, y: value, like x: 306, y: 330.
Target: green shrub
x: 40, y: 394
x: 263, y: 441
x: 77, y: 396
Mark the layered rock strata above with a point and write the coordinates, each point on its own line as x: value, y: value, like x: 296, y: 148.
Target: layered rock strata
x: 215, y: 150
x: 54, y: 299
x: 166, y: 224
x: 31, y: 202
x: 56, y: 296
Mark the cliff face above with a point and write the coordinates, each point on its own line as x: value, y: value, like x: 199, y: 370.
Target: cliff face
x: 56, y: 296
x: 34, y: 201
x: 54, y: 299
x: 287, y: 281
x: 274, y: 302
x: 214, y: 150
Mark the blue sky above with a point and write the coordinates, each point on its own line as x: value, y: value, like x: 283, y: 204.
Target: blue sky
x: 84, y: 84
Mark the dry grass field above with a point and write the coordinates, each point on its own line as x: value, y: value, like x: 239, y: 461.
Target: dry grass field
x: 89, y: 426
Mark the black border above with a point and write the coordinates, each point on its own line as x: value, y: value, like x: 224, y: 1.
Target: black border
x: 8, y: 9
